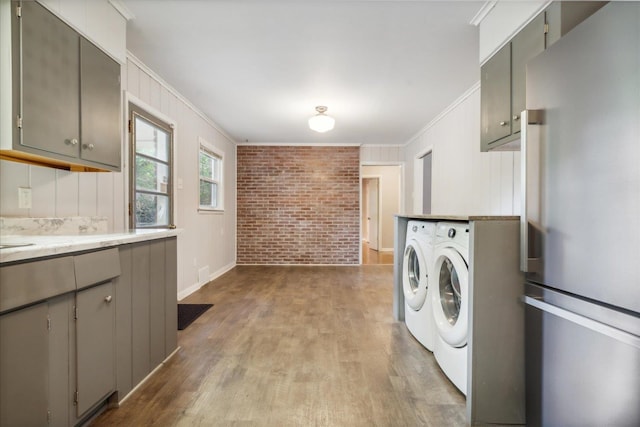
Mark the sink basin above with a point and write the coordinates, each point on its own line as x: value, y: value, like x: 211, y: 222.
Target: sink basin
x: 14, y: 245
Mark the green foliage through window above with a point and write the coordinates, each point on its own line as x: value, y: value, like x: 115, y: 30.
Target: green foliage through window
x: 210, y: 179
x: 151, y: 173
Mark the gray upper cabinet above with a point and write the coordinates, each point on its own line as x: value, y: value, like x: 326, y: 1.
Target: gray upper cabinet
x: 49, y: 82
x: 525, y: 46
x: 100, y: 112
x: 503, y: 76
x: 503, y: 86
x: 66, y: 95
x: 495, y: 81
x: 562, y: 17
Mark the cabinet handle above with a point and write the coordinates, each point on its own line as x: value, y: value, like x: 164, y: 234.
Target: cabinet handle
x: 73, y: 141
x: 516, y: 117
x: 503, y: 123
x: 108, y: 299
x: 88, y: 146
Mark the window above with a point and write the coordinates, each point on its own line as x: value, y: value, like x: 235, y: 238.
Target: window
x: 210, y: 179
x: 151, y: 200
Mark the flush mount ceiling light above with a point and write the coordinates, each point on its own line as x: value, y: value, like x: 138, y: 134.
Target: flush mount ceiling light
x: 321, y: 122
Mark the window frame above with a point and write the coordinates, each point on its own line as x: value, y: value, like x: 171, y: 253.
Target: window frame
x: 137, y: 111
x: 209, y: 150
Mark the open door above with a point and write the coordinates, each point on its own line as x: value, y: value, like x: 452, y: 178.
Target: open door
x: 372, y: 191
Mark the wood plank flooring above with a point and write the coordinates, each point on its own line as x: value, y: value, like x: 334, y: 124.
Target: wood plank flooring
x: 295, y: 346
x: 369, y: 256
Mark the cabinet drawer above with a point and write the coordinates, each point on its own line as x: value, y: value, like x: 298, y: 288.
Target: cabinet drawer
x: 24, y: 284
x: 96, y: 267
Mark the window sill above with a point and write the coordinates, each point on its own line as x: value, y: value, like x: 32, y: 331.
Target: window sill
x: 210, y: 211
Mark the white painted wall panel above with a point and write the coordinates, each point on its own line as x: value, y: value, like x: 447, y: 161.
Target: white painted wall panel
x: 132, y: 83
x: 97, y: 20
x: 144, y: 81
x: 381, y: 154
x: 516, y: 183
x: 87, y: 194
x: 506, y: 183
x: 106, y: 28
x: 503, y: 22
x: 13, y: 175
x: 43, y: 192
x: 66, y: 193
x: 105, y: 198
x: 155, y: 94
x: 465, y: 181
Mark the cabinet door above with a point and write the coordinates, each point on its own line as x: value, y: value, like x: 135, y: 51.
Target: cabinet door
x: 528, y: 43
x: 156, y: 302
x: 61, y: 327
x: 100, y: 110
x: 124, y: 315
x: 171, y: 296
x: 140, y: 328
x: 495, y: 97
x: 24, y: 367
x: 50, y: 94
x: 95, y: 345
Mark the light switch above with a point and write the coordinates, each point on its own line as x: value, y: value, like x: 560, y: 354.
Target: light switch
x: 24, y: 198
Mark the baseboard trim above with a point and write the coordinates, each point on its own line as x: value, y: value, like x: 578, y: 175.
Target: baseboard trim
x: 193, y: 288
x: 300, y: 265
x: 133, y: 390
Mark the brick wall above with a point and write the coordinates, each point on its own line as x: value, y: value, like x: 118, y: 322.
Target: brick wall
x: 298, y: 205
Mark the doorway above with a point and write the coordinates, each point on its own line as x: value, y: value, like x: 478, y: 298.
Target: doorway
x: 381, y: 200
x: 370, y: 212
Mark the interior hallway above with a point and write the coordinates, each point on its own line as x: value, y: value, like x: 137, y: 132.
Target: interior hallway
x: 295, y: 346
x: 370, y: 256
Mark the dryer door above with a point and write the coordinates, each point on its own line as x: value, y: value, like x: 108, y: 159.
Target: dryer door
x: 451, y: 296
x: 414, y: 275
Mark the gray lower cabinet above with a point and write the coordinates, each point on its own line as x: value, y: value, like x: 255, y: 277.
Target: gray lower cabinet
x: 34, y: 361
x: 76, y: 329
x: 24, y: 367
x: 95, y: 346
x: 146, y: 321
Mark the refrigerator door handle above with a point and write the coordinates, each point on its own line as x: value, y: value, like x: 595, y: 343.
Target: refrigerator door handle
x: 528, y: 117
x: 595, y: 326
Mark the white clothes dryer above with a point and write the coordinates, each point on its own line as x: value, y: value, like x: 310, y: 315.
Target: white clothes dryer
x: 450, y: 300
x: 416, y: 267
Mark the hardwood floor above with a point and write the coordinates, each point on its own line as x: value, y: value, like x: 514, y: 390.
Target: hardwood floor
x: 295, y: 346
x: 370, y: 256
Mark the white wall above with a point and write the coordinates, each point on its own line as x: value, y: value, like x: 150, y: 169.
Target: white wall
x: 207, y: 240
x: 389, y: 191
x: 503, y: 22
x: 381, y: 154
x: 464, y: 181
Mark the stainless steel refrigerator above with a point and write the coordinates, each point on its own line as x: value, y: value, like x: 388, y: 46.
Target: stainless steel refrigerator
x: 580, y: 224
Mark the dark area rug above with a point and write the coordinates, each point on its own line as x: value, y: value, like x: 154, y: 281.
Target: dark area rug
x: 187, y: 313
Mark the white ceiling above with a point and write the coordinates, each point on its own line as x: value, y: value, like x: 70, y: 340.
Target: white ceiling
x: 258, y: 68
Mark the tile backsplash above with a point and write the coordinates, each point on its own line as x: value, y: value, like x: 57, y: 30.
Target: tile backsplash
x: 53, y: 226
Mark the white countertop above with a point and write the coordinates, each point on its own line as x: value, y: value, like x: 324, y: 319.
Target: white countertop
x: 460, y: 217
x: 43, y: 246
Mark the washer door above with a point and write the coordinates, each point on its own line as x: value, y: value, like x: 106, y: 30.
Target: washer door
x: 415, y: 275
x: 451, y: 296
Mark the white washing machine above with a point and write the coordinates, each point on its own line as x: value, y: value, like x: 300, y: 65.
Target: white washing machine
x: 450, y: 300
x: 416, y: 269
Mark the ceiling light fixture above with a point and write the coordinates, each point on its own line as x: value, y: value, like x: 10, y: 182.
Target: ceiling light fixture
x: 321, y: 122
